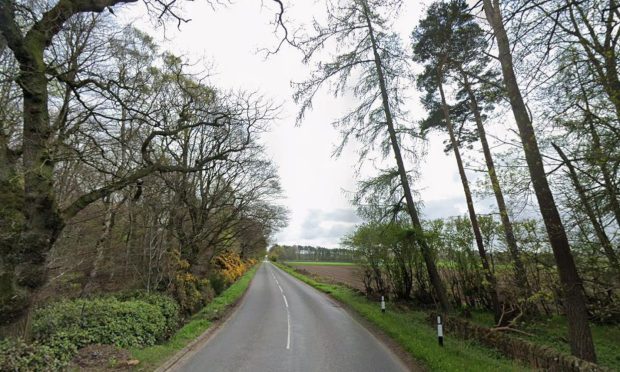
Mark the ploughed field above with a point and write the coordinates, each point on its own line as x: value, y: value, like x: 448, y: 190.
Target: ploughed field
x: 346, y: 273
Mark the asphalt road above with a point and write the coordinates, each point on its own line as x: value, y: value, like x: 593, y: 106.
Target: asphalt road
x: 283, y: 324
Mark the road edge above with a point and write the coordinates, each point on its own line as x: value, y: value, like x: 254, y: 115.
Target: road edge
x: 190, y: 349
x: 405, y: 357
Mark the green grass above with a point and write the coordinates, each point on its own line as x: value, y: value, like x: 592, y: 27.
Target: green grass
x: 411, y: 330
x: 319, y: 263
x: 553, y: 332
x: 153, y: 356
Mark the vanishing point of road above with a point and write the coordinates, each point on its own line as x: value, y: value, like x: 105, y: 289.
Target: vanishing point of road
x: 283, y: 324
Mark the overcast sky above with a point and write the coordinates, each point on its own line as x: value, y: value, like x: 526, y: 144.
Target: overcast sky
x: 315, y: 184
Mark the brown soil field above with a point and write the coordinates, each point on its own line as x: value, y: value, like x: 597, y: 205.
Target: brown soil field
x: 347, y: 275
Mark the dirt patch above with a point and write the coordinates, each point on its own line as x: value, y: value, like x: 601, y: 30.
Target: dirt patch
x: 102, y: 358
x: 350, y: 276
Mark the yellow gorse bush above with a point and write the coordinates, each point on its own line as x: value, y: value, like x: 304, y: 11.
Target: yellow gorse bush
x: 230, y: 266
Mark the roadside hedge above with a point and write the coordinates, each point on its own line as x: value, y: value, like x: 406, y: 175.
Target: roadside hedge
x: 104, y: 320
x: 126, y: 319
x: 168, y: 307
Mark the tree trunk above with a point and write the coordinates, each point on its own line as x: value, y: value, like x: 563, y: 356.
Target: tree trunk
x: 13, y: 299
x: 521, y: 281
x: 431, y: 267
x: 41, y: 219
x: 580, y: 335
x: 100, y: 246
x: 470, y: 208
x: 600, y: 231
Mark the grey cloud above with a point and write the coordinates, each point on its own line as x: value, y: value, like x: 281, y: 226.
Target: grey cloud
x: 443, y: 208
x: 455, y: 206
x: 343, y: 215
x: 331, y: 224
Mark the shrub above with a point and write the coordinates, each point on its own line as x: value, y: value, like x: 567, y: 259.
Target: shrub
x: 230, y: 266
x: 105, y: 320
x: 16, y: 355
x: 191, y: 292
x: 167, y: 306
x: 218, y: 282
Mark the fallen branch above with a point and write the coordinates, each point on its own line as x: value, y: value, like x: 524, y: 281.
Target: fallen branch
x: 508, y: 328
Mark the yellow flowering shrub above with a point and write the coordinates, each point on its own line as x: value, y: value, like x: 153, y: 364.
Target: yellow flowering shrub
x: 230, y: 266
x: 190, y: 291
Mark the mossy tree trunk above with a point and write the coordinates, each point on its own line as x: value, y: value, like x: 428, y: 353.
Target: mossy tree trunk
x: 34, y: 211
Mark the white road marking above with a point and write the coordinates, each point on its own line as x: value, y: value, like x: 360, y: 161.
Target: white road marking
x: 288, y: 334
x: 288, y: 314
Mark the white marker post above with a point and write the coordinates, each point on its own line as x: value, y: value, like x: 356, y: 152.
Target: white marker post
x: 382, y: 304
x: 439, y: 330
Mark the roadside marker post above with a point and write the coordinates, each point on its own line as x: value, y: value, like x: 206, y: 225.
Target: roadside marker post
x: 382, y: 304
x: 439, y: 330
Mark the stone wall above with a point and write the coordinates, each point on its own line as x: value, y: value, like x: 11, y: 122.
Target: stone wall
x: 533, y: 355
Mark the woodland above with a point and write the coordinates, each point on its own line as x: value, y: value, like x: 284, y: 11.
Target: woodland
x: 128, y: 183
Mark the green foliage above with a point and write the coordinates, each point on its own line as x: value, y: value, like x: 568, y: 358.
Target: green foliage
x: 17, y: 355
x: 218, y: 282
x: 308, y: 253
x: 132, y: 318
x: 168, y: 307
x: 391, y: 258
x: 83, y: 322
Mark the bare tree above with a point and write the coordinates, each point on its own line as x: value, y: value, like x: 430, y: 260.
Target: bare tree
x: 373, y: 57
x: 78, y: 103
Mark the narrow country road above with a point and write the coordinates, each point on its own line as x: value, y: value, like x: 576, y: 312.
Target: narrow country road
x: 284, y: 324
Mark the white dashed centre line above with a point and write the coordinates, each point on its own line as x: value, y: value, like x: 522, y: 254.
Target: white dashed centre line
x: 288, y: 334
x: 288, y: 314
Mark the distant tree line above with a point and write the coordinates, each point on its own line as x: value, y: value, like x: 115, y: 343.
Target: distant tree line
x: 310, y: 253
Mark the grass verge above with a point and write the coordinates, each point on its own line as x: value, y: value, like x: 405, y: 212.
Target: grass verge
x: 410, y: 329
x: 319, y: 263
x: 153, y: 356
